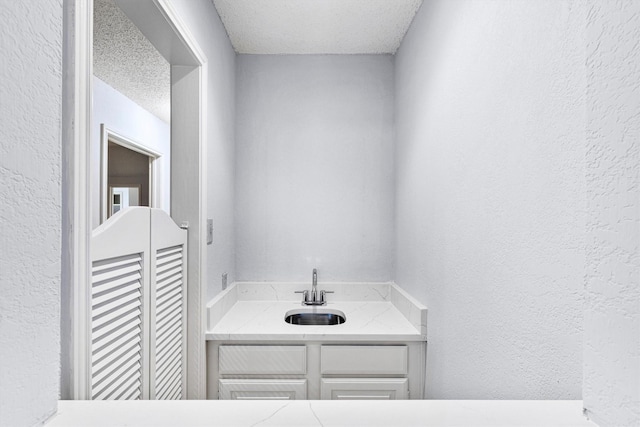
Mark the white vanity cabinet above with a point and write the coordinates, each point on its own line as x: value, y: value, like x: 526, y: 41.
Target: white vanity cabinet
x: 254, y: 352
x: 315, y: 370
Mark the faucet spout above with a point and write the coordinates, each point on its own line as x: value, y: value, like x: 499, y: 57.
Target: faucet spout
x: 314, y: 285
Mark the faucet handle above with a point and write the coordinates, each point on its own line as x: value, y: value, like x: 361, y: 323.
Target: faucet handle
x: 305, y: 294
x: 323, y: 295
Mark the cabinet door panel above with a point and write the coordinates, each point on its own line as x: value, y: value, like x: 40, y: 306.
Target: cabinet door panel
x: 263, y: 389
x: 364, y: 389
x: 263, y: 359
x: 363, y: 360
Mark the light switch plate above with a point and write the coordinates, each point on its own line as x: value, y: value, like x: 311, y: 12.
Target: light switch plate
x: 209, y: 231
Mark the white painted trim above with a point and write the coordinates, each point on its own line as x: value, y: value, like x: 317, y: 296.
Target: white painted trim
x: 181, y: 30
x: 196, y: 354
x: 107, y: 135
x: 81, y: 225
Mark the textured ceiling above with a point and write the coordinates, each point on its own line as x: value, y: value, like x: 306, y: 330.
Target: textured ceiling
x: 316, y: 26
x: 125, y: 60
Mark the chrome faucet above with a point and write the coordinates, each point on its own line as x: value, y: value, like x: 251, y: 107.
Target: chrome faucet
x: 314, y: 285
x: 312, y: 298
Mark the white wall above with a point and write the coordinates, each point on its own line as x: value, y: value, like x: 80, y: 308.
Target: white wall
x: 490, y: 194
x: 123, y: 116
x: 314, y: 167
x: 30, y: 212
x: 205, y: 25
x: 612, y: 311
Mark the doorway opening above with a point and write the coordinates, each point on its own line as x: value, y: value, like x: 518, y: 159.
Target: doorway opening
x: 129, y: 175
x: 159, y: 21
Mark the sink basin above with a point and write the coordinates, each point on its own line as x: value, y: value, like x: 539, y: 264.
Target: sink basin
x: 315, y: 316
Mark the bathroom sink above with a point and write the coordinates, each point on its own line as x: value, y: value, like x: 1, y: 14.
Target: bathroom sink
x: 315, y: 316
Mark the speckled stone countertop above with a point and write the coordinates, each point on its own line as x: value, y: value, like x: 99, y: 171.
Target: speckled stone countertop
x: 374, y: 312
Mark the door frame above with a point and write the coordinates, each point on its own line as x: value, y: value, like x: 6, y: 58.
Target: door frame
x: 173, y: 39
x: 107, y: 135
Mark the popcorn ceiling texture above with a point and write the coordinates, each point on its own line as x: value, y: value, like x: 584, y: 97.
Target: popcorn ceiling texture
x: 490, y: 194
x: 316, y: 26
x: 30, y: 212
x: 128, y: 62
x: 612, y: 316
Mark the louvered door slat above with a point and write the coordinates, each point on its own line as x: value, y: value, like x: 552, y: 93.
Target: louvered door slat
x: 165, y: 355
x: 108, y: 329
x: 113, y: 315
x: 102, y: 367
x: 170, y: 293
x: 177, y: 390
x: 125, y: 365
x: 169, y: 252
x: 164, y: 339
x: 108, y: 273
x: 173, y: 281
x: 117, y: 262
x: 128, y: 380
x: 108, y: 323
x: 171, y: 305
x: 169, y: 383
x: 168, y: 270
x: 169, y: 322
x: 109, y: 344
x: 130, y: 300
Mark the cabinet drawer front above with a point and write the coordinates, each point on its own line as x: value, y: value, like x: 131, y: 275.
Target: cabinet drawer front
x: 363, y: 359
x: 263, y: 389
x: 263, y: 359
x: 365, y: 389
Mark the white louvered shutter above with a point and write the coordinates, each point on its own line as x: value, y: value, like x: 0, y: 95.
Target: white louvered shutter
x: 138, y: 307
x: 119, y: 342
x: 168, y: 308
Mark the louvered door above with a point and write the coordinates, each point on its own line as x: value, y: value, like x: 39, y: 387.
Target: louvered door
x: 120, y: 280
x: 168, y: 308
x: 138, y: 307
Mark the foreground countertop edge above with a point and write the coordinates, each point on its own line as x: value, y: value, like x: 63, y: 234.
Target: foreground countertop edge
x: 443, y: 413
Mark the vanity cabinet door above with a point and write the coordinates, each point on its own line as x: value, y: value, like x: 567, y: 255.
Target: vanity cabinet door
x: 370, y: 360
x: 263, y: 389
x: 364, y: 388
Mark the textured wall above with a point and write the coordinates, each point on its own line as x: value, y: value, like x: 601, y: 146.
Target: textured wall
x: 204, y: 23
x: 612, y: 316
x: 314, y: 167
x: 125, y: 117
x: 490, y: 194
x: 30, y: 212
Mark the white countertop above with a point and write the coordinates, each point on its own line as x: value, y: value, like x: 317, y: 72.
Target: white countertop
x: 374, y: 312
x: 398, y: 413
x: 264, y: 320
